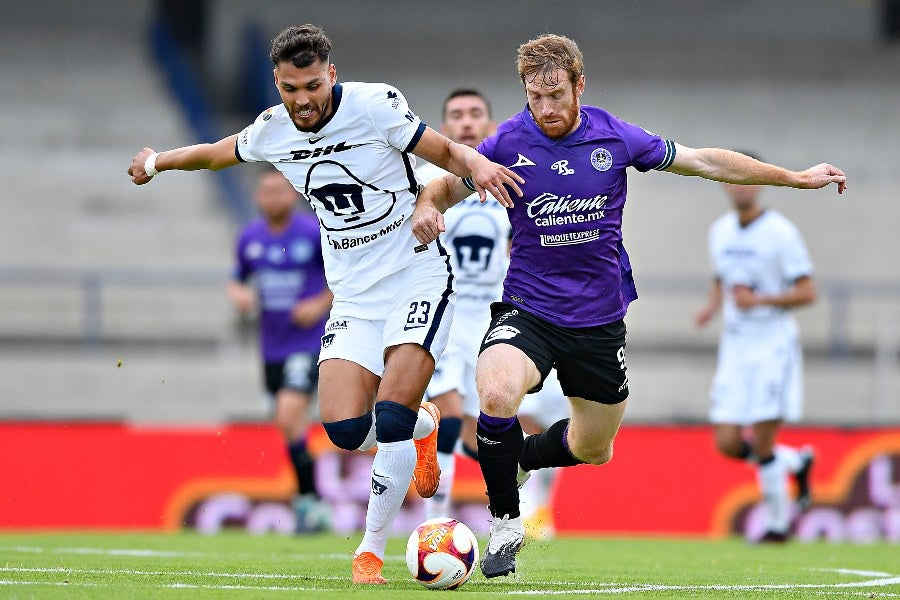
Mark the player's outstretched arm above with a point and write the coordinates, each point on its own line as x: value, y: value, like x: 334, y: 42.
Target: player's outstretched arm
x: 435, y: 198
x: 733, y: 167
x: 215, y: 156
x: 464, y: 161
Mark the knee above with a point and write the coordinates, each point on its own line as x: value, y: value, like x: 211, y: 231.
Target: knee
x: 349, y: 434
x: 498, y: 398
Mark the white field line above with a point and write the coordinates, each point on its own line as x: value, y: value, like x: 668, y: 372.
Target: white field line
x: 881, y: 580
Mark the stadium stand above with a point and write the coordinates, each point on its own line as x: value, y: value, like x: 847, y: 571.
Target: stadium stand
x: 94, y: 269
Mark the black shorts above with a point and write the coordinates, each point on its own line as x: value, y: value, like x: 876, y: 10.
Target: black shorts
x: 589, y: 361
x: 299, y: 371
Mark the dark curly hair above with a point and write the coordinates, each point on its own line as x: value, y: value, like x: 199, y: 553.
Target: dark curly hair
x: 302, y: 45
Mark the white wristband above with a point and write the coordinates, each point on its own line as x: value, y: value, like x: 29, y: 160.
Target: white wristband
x: 150, y: 165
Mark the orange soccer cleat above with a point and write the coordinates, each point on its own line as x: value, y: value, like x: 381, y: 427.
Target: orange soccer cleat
x: 367, y: 569
x: 427, y: 474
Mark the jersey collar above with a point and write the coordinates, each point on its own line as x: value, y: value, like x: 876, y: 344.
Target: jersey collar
x: 337, y: 92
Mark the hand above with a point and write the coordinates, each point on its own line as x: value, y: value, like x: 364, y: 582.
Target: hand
x: 704, y: 316
x: 491, y: 177
x: 821, y: 175
x: 427, y: 222
x: 745, y: 298
x: 136, y: 170
x: 243, y: 297
x: 306, y: 313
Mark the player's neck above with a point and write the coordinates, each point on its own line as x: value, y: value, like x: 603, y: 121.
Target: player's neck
x: 748, y: 215
x: 279, y: 224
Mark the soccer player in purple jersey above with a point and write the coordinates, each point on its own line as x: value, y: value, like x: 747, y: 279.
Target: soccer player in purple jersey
x: 569, y: 281
x: 280, y: 252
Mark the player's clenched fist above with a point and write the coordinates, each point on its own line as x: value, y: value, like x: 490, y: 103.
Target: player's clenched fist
x: 137, y: 169
x: 427, y: 223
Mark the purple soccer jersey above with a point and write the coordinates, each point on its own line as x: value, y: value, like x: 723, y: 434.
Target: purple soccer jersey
x: 287, y: 267
x: 568, y: 264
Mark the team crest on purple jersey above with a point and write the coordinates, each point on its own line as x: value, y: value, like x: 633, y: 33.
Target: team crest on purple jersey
x: 601, y: 159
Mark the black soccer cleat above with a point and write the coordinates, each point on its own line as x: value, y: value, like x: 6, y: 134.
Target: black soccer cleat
x: 507, y: 537
x: 772, y: 537
x: 804, y: 494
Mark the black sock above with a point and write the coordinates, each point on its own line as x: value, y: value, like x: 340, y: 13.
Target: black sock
x: 548, y: 449
x: 499, y: 447
x: 304, y: 466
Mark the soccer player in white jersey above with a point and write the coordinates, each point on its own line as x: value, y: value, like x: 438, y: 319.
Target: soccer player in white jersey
x: 477, y: 239
x: 569, y: 280
x: 762, y: 270
x: 347, y: 147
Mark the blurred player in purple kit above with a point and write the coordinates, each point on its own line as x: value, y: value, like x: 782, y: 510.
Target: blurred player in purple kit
x: 762, y: 270
x: 281, y: 253
x: 347, y: 147
x: 569, y: 281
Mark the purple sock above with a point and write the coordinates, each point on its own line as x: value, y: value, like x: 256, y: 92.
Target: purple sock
x: 495, y: 424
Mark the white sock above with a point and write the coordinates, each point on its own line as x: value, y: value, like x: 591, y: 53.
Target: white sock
x: 439, y: 504
x: 392, y: 472
x: 773, y: 483
x: 790, y: 457
x: 424, y: 424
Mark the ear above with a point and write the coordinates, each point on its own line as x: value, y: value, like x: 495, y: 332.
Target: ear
x: 275, y: 75
x: 332, y: 73
x: 492, y: 127
x: 579, y: 87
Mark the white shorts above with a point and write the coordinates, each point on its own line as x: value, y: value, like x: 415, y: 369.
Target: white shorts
x: 456, y: 371
x: 412, y: 306
x: 757, y: 379
x: 548, y: 405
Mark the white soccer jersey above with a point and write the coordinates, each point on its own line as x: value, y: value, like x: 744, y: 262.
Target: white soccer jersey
x: 357, y: 174
x: 759, y: 370
x: 767, y: 255
x: 477, y: 238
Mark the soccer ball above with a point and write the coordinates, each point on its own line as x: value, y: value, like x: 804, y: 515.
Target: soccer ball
x: 442, y: 553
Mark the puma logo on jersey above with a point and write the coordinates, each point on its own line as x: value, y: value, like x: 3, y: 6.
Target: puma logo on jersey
x: 332, y: 148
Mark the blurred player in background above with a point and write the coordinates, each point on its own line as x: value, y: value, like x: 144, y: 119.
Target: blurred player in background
x: 281, y: 253
x: 569, y: 281
x: 477, y: 239
x: 762, y: 270
x: 347, y: 147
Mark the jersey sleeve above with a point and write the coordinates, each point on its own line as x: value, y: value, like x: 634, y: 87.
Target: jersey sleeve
x: 646, y: 150
x: 242, y: 270
x: 795, y: 261
x: 393, y: 118
x: 251, y: 141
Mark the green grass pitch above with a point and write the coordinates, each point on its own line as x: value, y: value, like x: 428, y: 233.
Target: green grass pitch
x: 238, y: 565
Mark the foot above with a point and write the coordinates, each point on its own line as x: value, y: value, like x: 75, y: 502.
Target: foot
x: 367, y: 569
x: 427, y: 474
x: 804, y: 495
x: 521, y: 477
x: 772, y: 537
x: 507, y: 536
x: 313, y: 514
